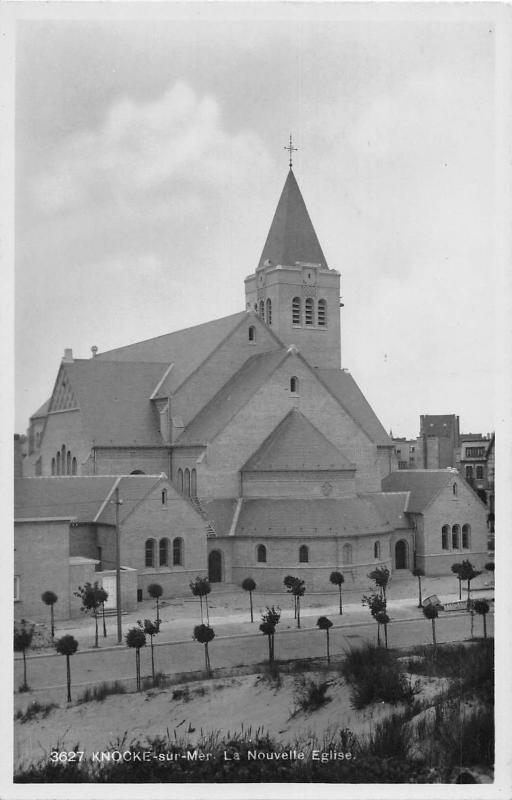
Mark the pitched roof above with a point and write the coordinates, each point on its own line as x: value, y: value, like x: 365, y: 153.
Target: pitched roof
x: 391, y: 507
x: 295, y: 444
x: 350, y: 516
x: 231, y: 398
x: 423, y: 484
x: 349, y: 395
x: 43, y: 410
x: 291, y: 237
x: 185, y: 349
x: 220, y: 513
x: 79, y: 496
x: 114, y: 399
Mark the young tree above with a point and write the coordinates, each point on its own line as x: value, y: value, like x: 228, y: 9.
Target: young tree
x: 324, y: 623
x: 204, y: 634
x: 136, y: 638
x: 155, y: 591
x: 482, y: 607
x: 50, y: 598
x: 380, y: 575
x: 23, y: 633
x: 67, y: 646
x: 269, y: 620
x: 298, y: 590
x: 430, y: 612
x: 289, y: 581
x: 456, y: 571
x: 103, y: 597
x: 467, y: 573
x: 337, y: 579
x: 248, y: 585
x: 150, y: 629
x: 90, y: 596
x: 200, y: 587
x: 377, y: 604
x: 419, y: 573
x: 382, y: 619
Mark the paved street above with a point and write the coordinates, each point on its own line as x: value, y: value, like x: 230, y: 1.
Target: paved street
x: 231, y: 647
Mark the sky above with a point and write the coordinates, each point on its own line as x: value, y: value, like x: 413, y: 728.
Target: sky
x: 150, y: 159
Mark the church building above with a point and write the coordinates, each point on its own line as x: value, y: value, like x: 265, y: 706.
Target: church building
x: 261, y: 434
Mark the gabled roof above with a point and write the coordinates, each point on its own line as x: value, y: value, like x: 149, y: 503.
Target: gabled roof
x: 220, y: 514
x: 391, y: 507
x: 185, y: 349
x: 350, y: 516
x: 349, y: 395
x: 114, y: 399
x: 80, y: 497
x: 214, y: 417
x: 423, y: 484
x: 295, y: 444
x: 291, y: 237
x: 42, y: 411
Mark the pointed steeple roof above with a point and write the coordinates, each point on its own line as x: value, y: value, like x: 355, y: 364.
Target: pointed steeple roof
x: 291, y: 237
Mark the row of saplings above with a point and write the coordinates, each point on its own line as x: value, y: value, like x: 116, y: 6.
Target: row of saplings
x: 94, y: 596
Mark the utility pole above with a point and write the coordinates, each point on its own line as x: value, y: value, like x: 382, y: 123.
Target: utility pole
x: 117, y: 502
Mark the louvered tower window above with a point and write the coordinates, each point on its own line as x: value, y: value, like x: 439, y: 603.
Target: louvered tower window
x: 262, y: 309
x: 269, y: 312
x: 296, y: 311
x: 309, y: 310
x: 322, y: 313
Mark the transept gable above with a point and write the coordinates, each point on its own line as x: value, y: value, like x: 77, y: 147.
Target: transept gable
x: 63, y: 397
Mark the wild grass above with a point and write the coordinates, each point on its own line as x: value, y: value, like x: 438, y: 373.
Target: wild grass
x: 160, y: 681
x: 98, y: 693
x: 374, y: 674
x: 35, y: 710
x: 310, y: 695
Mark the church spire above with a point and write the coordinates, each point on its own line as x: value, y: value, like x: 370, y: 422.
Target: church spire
x: 292, y: 238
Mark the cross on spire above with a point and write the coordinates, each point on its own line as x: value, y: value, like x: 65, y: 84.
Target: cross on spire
x: 290, y: 149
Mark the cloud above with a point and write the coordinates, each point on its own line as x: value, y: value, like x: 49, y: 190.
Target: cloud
x: 142, y: 148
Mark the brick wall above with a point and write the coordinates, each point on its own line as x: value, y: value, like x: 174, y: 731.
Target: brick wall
x: 314, y: 485
x: 112, y: 461
x: 64, y: 428
x: 41, y: 558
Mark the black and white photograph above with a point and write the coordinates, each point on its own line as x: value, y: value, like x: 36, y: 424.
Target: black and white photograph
x: 260, y: 322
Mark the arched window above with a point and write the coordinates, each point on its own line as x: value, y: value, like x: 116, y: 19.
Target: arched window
x: 445, y: 530
x: 466, y: 536
x: 164, y: 497
x: 68, y: 463
x: 252, y: 333
x: 58, y: 463
x: 322, y: 313
x: 376, y: 550
x: 269, y: 311
x: 296, y: 311
x: 294, y: 384
x: 455, y: 536
x: 150, y: 553
x: 262, y: 309
x: 479, y: 473
x: 469, y: 473
x: 262, y: 554
x: 193, y: 483
x: 303, y: 554
x: 346, y: 554
x: 177, y: 552
x: 53, y: 466
x: 308, y: 306
x: 186, y: 483
x: 454, y: 489
x: 163, y: 552
x: 180, y: 481
x: 73, y: 466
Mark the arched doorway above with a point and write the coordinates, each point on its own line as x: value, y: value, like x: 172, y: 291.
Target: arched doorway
x: 401, y: 555
x: 215, y: 566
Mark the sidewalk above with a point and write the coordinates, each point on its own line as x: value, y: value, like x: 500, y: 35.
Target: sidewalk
x: 229, y: 612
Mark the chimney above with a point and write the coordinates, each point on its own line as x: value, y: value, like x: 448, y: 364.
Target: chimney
x: 68, y: 355
x: 94, y: 350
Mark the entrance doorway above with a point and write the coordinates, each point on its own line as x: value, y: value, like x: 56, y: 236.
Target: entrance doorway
x: 401, y: 559
x: 215, y: 566
x: 109, y: 584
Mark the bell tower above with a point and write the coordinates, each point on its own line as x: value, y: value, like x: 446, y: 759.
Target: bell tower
x: 293, y: 290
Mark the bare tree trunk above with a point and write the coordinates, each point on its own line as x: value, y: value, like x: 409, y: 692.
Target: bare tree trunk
x: 250, y: 600
x: 158, y: 612
x: 341, y: 602
x: 386, y: 634
x: 434, y: 632
x: 378, y: 634
x: 469, y: 594
x: 96, y: 628
x: 103, y: 616
x: 137, y: 667
x: 52, y: 621
x: 201, y: 602
x: 460, y: 589
x: 420, y: 602
x: 207, y: 610
x: 328, y: 654
x: 68, y: 671
x: 485, y: 626
x: 152, y: 659
x: 298, y: 612
x: 24, y: 668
